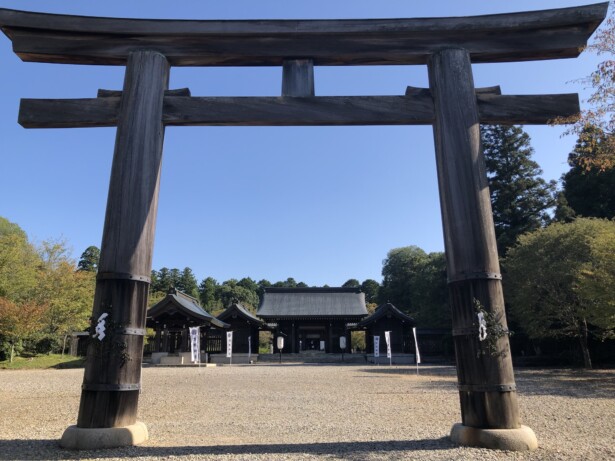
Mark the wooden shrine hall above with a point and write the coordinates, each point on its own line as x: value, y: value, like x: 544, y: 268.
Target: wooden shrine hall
x: 171, y: 318
x: 452, y: 105
x: 387, y: 317
x: 312, y: 319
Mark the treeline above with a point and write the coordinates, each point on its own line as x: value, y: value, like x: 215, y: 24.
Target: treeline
x: 215, y: 297
x: 43, y: 295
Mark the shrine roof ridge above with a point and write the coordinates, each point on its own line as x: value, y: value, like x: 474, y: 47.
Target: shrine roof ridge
x: 312, y: 290
x: 531, y: 35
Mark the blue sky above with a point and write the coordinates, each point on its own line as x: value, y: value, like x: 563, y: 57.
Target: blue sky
x: 320, y: 204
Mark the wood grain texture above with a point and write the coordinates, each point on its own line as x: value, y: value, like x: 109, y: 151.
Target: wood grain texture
x: 127, y: 243
x: 415, y: 109
x: 548, y: 34
x: 102, y: 93
x: 470, y: 243
x: 298, y: 78
x: 418, y: 91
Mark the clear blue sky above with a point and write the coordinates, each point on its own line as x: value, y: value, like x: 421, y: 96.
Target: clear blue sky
x: 320, y: 204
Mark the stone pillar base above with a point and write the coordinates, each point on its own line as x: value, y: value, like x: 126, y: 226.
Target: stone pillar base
x: 79, y: 438
x: 522, y: 439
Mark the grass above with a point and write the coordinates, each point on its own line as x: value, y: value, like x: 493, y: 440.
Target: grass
x: 42, y: 362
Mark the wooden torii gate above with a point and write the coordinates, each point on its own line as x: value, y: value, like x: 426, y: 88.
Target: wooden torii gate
x: 148, y: 48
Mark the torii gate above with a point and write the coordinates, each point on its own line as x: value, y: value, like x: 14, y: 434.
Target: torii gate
x: 148, y: 48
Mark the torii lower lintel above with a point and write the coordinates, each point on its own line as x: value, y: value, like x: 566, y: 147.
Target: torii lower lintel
x: 413, y: 109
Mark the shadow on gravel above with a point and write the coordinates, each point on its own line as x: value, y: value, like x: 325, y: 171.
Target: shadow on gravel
x: 48, y: 449
x: 440, y: 371
x: 585, y: 384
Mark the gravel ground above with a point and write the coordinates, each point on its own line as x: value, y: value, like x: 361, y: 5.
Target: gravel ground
x: 297, y: 412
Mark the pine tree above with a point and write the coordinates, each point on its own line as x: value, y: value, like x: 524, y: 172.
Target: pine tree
x: 520, y: 198
x: 588, y: 189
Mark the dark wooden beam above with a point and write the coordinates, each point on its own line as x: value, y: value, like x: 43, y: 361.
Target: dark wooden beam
x: 117, y: 93
x: 534, y: 35
x: 418, y: 91
x: 271, y: 111
x: 298, y: 78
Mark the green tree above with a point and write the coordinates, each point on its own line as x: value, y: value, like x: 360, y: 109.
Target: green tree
x: 370, y: 287
x: 9, y: 228
x: 230, y: 291
x: 560, y: 281
x: 207, y: 294
x: 588, y: 190
x: 399, y: 271
x: 67, y: 293
x: 288, y: 283
x: 248, y: 284
x: 19, y: 266
x: 262, y: 285
x: 415, y: 282
x: 89, y: 259
x: 351, y: 283
x: 187, y: 283
x: 520, y: 198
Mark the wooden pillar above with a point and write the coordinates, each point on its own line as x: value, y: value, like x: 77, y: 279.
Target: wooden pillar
x: 486, y: 383
x: 113, y: 369
x: 158, y: 339
x: 298, y: 78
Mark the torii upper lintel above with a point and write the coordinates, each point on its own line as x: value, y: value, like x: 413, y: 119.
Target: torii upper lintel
x: 525, y: 36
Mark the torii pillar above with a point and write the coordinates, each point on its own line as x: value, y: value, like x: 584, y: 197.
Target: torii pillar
x: 112, y: 380
x: 487, y: 390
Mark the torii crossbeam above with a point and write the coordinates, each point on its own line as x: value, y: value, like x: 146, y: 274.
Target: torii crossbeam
x: 148, y: 48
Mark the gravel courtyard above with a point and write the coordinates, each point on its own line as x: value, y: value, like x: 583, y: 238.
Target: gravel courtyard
x: 272, y: 412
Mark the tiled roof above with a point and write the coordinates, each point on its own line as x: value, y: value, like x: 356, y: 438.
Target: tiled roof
x: 312, y: 302
x: 242, y: 311
x: 383, y: 310
x: 188, y: 305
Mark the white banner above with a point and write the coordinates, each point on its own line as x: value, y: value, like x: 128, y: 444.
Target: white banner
x: 249, y: 347
x: 229, y: 343
x: 195, y: 344
x: 387, y: 338
x: 376, y: 346
x: 416, y: 347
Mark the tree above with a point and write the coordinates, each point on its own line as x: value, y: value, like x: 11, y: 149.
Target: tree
x: 588, y: 190
x: 230, y: 291
x: 207, y: 293
x: 18, y: 321
x: 288, y: 283
x: 370, y: 287
x: 398, y: 272
x: 187, y: 283
x: 351, y: 283
x: 415, y: 282
x: 19, y: 266
x: 560, y: 281
x: 520, y: 198
x: 600, y: 110
x: 89, y: 259
x: 248, y: 284
x: 67, y: 293
x: 9, y: 228
x: 262, y: 285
